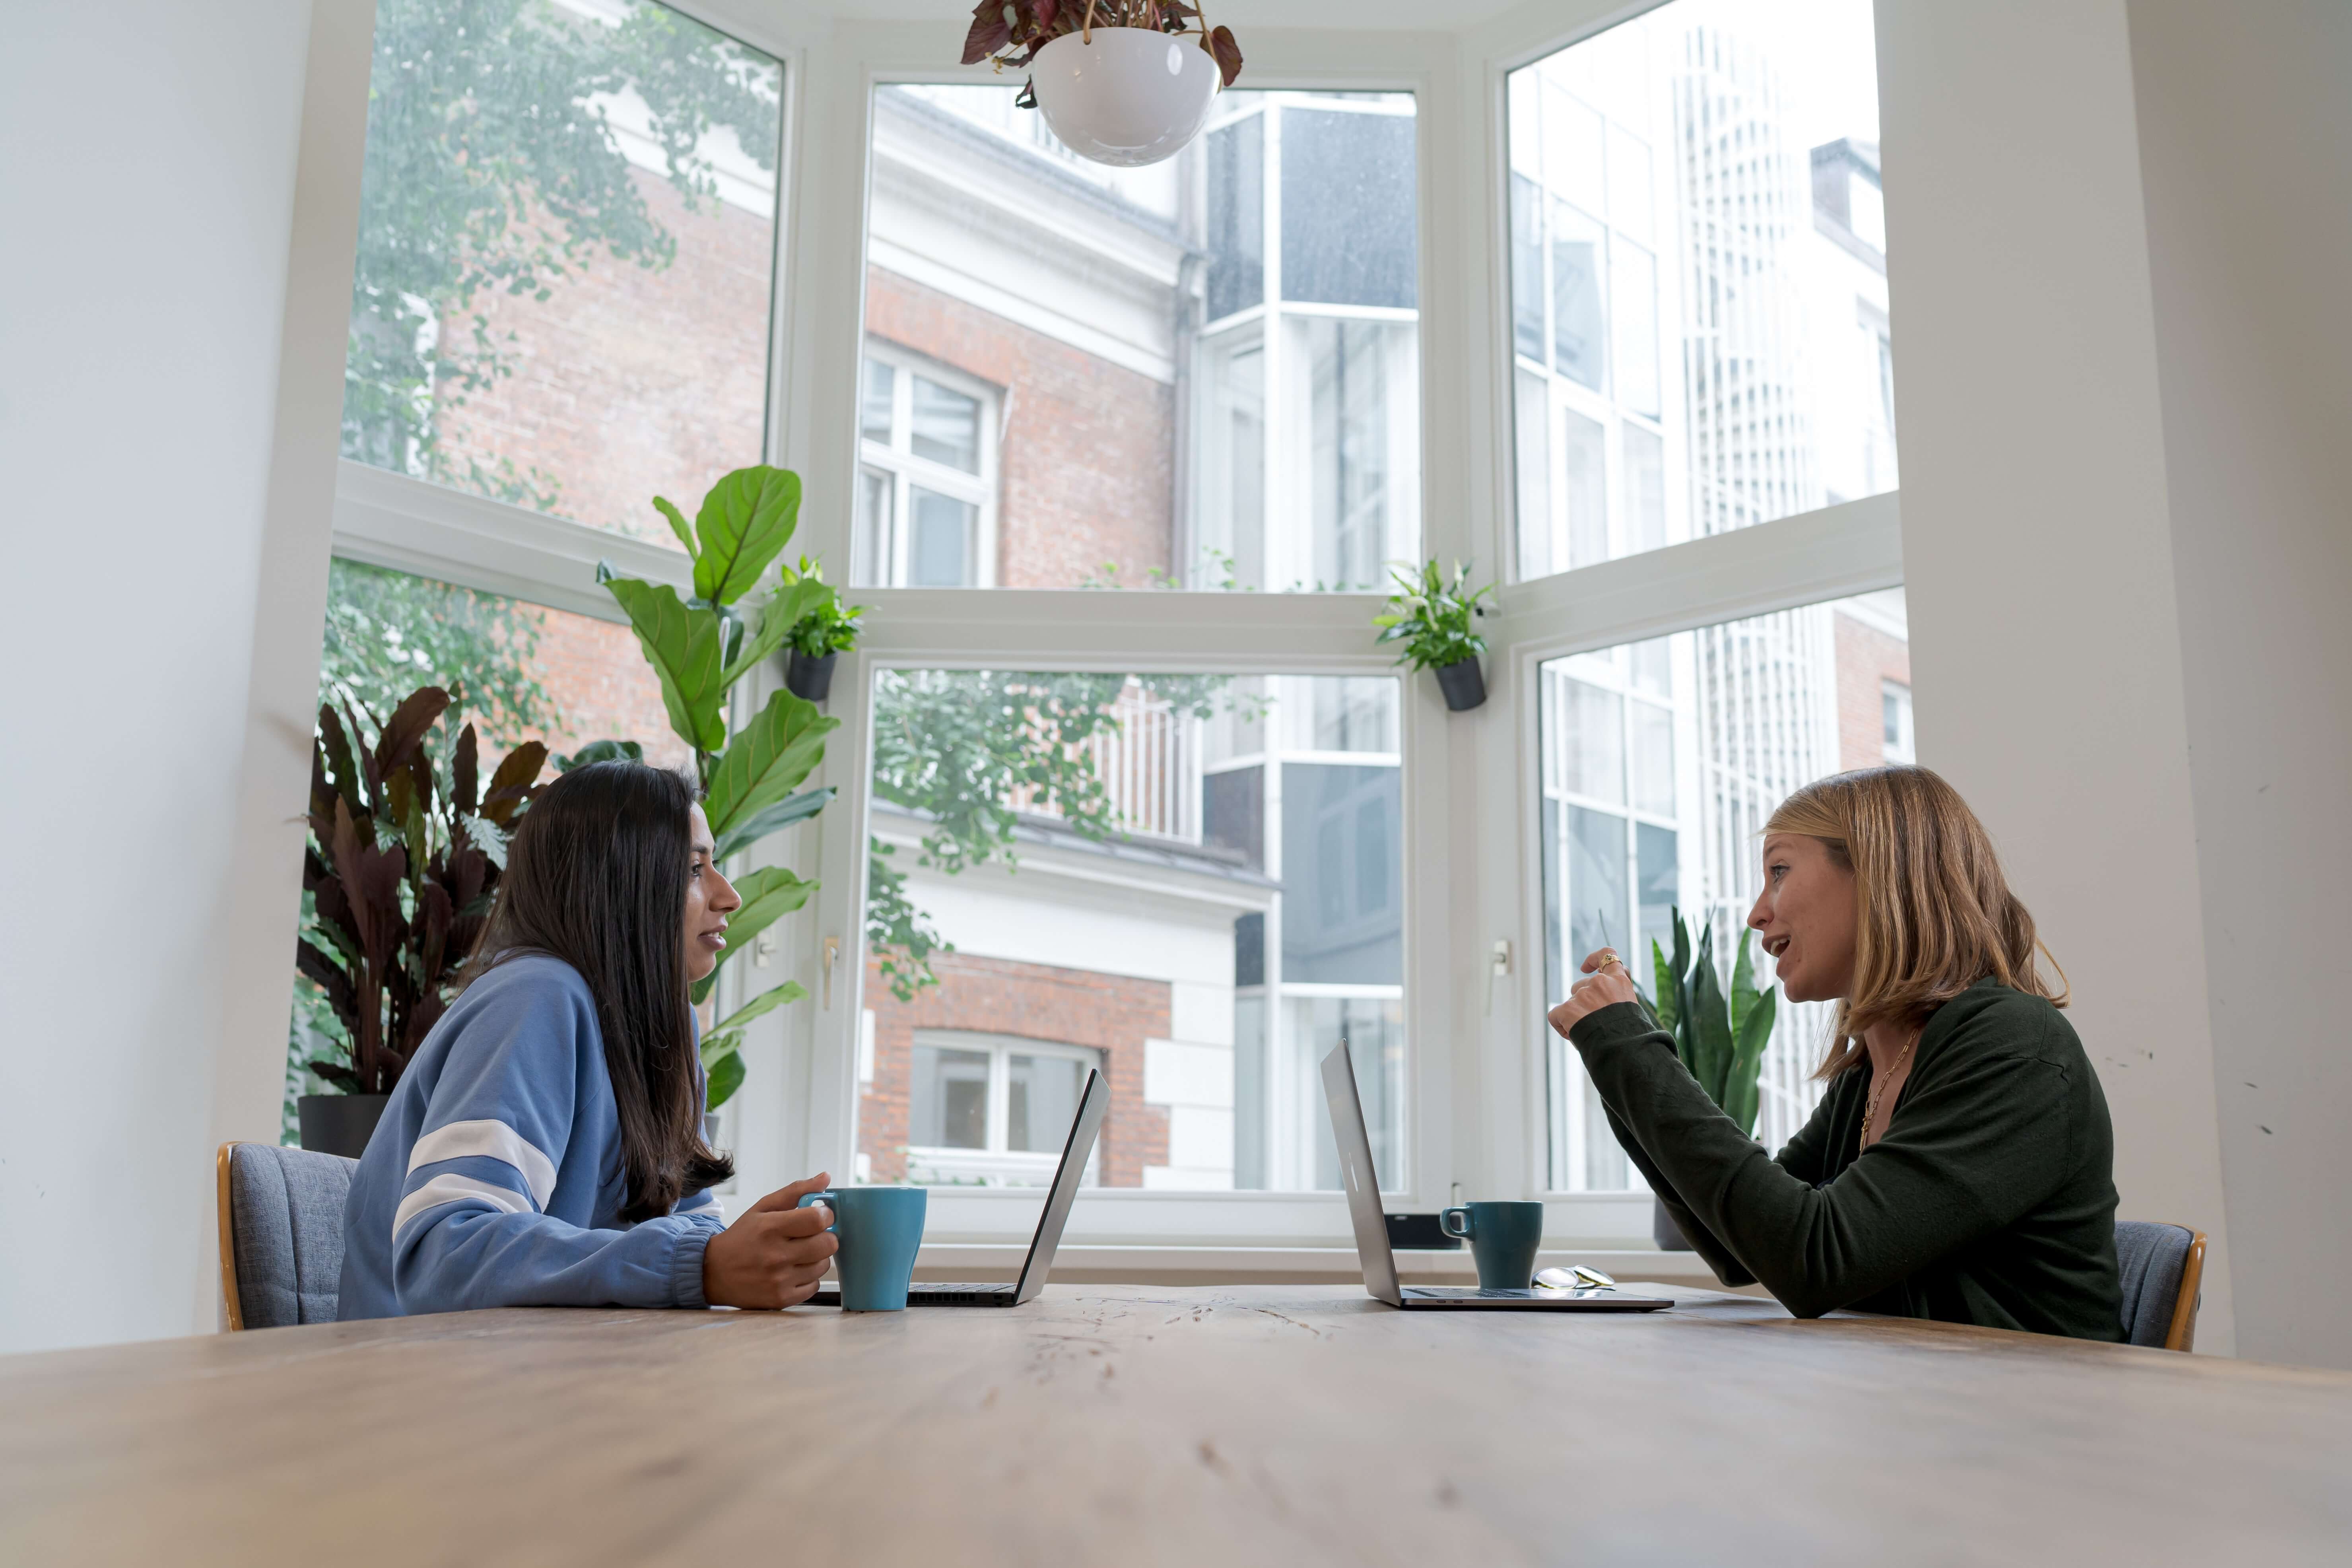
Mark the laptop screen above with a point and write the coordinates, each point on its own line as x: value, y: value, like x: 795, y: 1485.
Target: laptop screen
x: 1362, y: 1180
x: 1092, y: 1102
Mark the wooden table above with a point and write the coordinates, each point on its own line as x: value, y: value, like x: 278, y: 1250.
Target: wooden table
x: 1140, y: 1425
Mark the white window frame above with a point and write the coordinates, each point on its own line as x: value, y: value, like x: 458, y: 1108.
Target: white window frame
x: 1475, y: 1113
x: 898, y: 459
x: 998, y: 1162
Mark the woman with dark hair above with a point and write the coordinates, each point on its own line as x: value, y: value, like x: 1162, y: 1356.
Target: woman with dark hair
x: 1960, y: 1165
x: 545, y: 1148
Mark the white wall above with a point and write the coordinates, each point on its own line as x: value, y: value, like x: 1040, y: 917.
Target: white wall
x: 2046, y: 651
x: 2245, y: 145
x: 150, y: 184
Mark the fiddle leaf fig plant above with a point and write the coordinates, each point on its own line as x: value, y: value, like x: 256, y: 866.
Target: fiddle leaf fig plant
x: 400, y: 868
x: 701, y: 648
x: 1719, y: 1035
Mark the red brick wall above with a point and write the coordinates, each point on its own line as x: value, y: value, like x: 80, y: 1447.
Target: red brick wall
x: 630, y: 383
x: 1109, y: 1012
x: 1866, y: 658
x: 600, y: 683
x: 1087, y: 472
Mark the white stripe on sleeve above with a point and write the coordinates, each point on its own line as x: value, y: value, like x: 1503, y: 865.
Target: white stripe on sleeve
x: 488, y: 1140
x: 449, y: 1187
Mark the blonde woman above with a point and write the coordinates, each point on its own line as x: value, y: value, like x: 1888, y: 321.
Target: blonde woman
x: 1960, y: 1166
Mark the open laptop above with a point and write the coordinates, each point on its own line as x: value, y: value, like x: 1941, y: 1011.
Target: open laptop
x: 1075, y: 1150
x: 1372, y: 1232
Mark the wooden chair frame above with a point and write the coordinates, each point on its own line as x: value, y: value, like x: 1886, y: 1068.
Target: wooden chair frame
x: 2182, y: 1335
x: 221, y: 1164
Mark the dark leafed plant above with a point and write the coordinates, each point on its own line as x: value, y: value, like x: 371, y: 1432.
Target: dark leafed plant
x: 699, y: 647
x: 1719, y: 1035
x: 1011, y: 32
x: 399, y: 869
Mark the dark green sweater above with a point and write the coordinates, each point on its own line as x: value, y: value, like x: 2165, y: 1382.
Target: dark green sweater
x: 1990, y: 1200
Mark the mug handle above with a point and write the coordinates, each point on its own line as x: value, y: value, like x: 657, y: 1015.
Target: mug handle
x: 1446, y: 1223
x: 827, y: 1199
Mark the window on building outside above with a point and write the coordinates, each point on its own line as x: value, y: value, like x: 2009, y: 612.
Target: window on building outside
x: 1895, y: 710
x: 1660, y: 763
x: 566, y: 254
x: 1194, y: 881
x: 1266, y: 278
x: 1694, y: 217
x: 927, y: 474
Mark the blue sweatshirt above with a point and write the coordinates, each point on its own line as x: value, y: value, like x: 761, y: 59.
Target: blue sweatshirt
x: 495, y: 1177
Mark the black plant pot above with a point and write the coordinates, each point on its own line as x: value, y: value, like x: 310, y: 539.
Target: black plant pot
x: 809, y: 678
x: 1463, y: 686
x: 1664, y: 1230
x: 339, y: 1123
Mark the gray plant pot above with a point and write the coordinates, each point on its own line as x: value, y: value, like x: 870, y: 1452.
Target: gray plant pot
x: 810, y: 680
x: 339, y: 1123
x: 1664, y: 1230
x: 1464, y: 685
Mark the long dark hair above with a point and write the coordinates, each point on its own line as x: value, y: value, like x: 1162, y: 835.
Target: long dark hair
x: 597, y: 877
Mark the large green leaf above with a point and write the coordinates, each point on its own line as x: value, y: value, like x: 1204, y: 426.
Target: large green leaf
x: 774, y: 819
x: 745, y: 522
x: 681, y: 643
x: 723, y: 1073
x: 677, y: 525
x: 760, y: 1006
x: 1741, y: 1098
x: 1712, y: 1037
x: 778, y: 748
x: 778, y: 616
x: 769, y: 894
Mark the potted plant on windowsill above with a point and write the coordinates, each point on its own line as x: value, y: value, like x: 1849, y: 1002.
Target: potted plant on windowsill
x: 399, y: 869
x: 825, y: 629
x: 1433, y: 618
x: 1719, y: 1035
x: 1110, y: 75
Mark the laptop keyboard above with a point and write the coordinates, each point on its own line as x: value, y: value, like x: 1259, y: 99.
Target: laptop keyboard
x: 1467, y: 1293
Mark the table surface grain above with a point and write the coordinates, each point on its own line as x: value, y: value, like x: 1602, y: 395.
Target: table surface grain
x: 1141, y: 1426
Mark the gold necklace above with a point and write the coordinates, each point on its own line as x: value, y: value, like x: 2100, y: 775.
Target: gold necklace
x: 1870, y: 1108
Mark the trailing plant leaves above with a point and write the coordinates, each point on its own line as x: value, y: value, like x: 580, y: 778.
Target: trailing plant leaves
x: 677, y: 525
x: 745, y: 522
x: 682, y: 645
x: 990, y: 32
x: 760, y: 1006
x: 779, y: 748
x: 773, y: 820
x: 725, y: 1076
x: 769, y: 894
x: 1227, y: 53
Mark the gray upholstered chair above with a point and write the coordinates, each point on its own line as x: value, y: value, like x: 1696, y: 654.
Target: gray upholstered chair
x: 2163, y: 1269
x: 281, y: 1234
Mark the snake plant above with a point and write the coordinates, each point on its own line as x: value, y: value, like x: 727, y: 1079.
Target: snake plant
x: 1719, y: 1035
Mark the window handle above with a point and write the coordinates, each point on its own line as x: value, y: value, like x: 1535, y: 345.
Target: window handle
x: 832, y: 951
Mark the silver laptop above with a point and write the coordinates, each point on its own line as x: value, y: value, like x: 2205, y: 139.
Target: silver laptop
x: 1075, y: 1150
x: 1372, y: 1232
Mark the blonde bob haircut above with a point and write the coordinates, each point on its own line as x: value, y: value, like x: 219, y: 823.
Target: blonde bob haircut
x: 1933, y: 914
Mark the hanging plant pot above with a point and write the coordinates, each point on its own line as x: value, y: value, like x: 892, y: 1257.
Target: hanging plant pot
x: 1124, y: 96
x: 338, y: 1123
x: 1463, y: 685
x: 810, y: 680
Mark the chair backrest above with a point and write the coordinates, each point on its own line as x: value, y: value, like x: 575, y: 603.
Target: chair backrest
x: 281, y: 1234
x: 2163, y: 1270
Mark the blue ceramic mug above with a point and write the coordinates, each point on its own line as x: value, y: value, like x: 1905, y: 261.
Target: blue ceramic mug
x: 1503, y: 1239
x: 880, y: 1230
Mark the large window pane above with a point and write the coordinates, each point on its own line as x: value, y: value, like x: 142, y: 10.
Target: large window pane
x: 1719, y: 726
x: 1722, y: 157
x: 1032, y: 321
x: 567, y: 233
x: 1195, y: 882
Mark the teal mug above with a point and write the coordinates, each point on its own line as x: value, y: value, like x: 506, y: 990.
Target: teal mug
x: 1503, y: 1239
x: 880, y: 1229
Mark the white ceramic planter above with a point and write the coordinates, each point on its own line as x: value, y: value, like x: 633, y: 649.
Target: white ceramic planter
x: 1131, y: 97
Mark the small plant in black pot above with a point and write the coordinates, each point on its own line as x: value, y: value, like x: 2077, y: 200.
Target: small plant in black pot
x: 826, y: 629
x: 1433, y: 618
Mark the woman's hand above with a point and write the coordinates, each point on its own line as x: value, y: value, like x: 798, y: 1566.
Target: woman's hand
x: 1610, y: 983
x: 773, y: 1255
